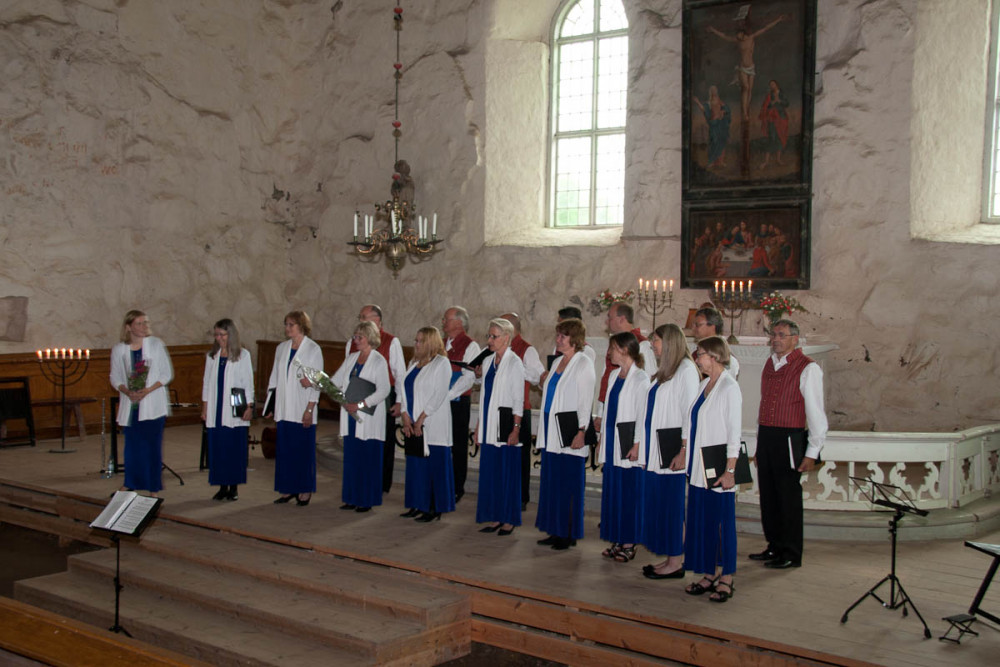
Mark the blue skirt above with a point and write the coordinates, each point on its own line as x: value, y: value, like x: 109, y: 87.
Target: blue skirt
x: 663, y: 514
x: 295, y: 459
x: 621, y: 504
x: 560, y: 499
x: 362, y: 482
x: 417, y: 492
x: 499, y: 485
x: 144, y: 454
x: 227, y: 455
x: 442, y: 475
x: 711, y: 531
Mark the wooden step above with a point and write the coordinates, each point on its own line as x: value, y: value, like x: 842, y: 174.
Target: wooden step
x: 203, y: 634
x: 401, y: 594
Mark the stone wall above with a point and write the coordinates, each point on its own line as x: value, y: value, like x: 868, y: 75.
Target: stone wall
x: 202, y: 159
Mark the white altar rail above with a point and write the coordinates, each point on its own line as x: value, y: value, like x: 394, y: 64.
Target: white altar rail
x: 937, y: 470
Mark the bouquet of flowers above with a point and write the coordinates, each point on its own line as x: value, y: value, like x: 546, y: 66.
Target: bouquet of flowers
x: 607, y: 297
x: 137, y: 379
x: 322, y: 381
x: 777, y: 304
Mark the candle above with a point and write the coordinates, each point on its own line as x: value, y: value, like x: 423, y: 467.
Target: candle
x: 640, y: 284
x: 39, y: 355
x: 723, y: 289
x: 393, y: 216
x: 741, y: 287
x: 750, y: 287
x: 48, y: 353
x: 79, y: 353
x: 732, y: 287
x: 716, y: 285
x: 63, y: 350
x: 656, y: 286
x: 434, y: 229
x: 87, y: 352
x: 671, y: 285
x: 355, y: 224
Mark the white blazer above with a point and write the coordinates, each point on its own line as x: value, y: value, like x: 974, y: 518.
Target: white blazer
x: 238, y: 374
x: 719, y: 421
x: 508, y: 392
x: 291, y: 398
x: 430, y: 395
x: 376, y: 369
x: 157, y: 403
x: 573, y: 393
x: 673, y: 402
x: 631, y: 407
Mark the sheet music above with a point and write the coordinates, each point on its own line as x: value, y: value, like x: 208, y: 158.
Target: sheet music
x: 113, y: 510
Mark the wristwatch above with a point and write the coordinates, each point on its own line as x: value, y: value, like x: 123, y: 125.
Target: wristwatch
x: 361, y: 405
x: 731, y: 470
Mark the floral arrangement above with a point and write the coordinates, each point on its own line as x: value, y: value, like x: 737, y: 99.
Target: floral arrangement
x: 607, y: 297
x: 322, y: 381
x: 137, y: 379
x: 777, y: 304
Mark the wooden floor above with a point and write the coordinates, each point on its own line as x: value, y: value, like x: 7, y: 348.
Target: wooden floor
x: 802, y: 607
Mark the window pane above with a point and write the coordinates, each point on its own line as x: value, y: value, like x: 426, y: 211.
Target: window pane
x: 610, y: 199
x: 579, y: 20
x: 612, y: 80
x: 613, y: 15
x: 573, y: 182
x: 576, y: 87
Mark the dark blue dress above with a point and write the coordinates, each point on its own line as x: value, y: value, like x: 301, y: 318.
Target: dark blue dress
x: 663, y: 498
x: 560, y: 499
x: 295, y: 460
x: 621, y: 507
x: 143, y: 447
x: 362, y: 483
x: 499, y: 469
x: 227, y: 446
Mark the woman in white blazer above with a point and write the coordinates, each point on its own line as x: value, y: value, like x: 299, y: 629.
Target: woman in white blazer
x: 621, y: 494
x: 714, y: 419
x: 672, y: 390
x: 295, y: 401
x: 364, y: 440
x: 568, y: 389
x: 430, y: 479
x: 141, y: 371
x: 502, y: 393
x: 227, y: 367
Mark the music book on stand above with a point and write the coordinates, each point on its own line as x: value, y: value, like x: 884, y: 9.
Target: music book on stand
x: 127, y: 512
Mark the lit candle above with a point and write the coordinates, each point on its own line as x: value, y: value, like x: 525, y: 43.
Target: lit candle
x: 671, y: 285
x: 750, y: 287
x: 640, y: 284
x: 79, y: 353
x: 87, y: 352
x: 39, y: 355
x: 355, y: 224
x: 741, y: 287
x: 723, y: 289
x: 716, y: 286
x: 434, y: 229
x: 656, y: 286
x: 732, y: 287
x: 48, y: 353
x: 63, y: 350
x: 647, y: 288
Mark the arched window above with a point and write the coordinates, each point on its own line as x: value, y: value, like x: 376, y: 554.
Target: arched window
x: 589, y: 82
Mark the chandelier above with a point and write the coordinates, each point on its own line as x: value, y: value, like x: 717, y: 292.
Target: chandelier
x: 402, y: 231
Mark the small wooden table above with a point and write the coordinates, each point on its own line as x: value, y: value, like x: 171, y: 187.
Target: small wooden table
x: 73, y: 406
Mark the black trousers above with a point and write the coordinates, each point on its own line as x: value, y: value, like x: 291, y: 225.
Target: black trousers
x: 525, y: 456
x: 461, y: 410
x: 780, y: 487
x: 389, y: 448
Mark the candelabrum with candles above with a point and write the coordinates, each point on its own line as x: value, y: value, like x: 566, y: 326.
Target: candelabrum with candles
x: 63, y: 367
x: 732, y: 300
x: 658, y: 300
x: 398, y: 239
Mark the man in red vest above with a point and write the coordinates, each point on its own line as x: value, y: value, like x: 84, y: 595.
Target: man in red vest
x: 533, y: 370
x: 459, y: 347
x: 392, y: 350
x: 620, y: 319
x: 791, y: 417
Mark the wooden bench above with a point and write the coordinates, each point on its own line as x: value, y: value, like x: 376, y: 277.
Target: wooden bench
x: 73, y: 406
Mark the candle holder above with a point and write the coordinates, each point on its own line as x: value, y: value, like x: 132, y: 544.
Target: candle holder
x: 64, y: 368
x: 658, y: 300
x: 733, y: 304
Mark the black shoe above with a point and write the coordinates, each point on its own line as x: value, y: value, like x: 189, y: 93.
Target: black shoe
x: 410, y: 513
x: 490, y: 529
x: 231, y: 494
x: 427, y: 517
x: 302, y: 503
x: 562, y: 544
x: 676, y: 574
x: 222, y: 493
x: 765, y: 555
x: 524, y: 507
x: 503, y: 532
x: 283, y: 499
x: 782, y: 564
x: 548, y: 541
x: 362, y: 509
x: 458, y: 495
x: 348, y: 506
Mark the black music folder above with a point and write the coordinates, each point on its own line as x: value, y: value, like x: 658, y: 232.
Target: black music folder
x: 626, y: 437
x: 669, y: 442
x: 475, y: 363
x: 505, y: 424
x: 714, y: 459
x: 414, y: 446
x: 569, y: 426
x: 269, y: 403
x: 238, y: 399
x: 358, y: 389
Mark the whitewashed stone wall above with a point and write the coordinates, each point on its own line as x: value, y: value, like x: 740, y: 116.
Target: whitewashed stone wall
x: 202, y: 159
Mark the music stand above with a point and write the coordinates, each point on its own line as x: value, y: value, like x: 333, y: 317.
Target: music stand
x: 896, y: 499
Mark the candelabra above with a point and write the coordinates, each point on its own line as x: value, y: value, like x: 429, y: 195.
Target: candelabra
x: 398, y: 239
x: 63, y: 368
x: 733, y: 303
x: 661, y: 299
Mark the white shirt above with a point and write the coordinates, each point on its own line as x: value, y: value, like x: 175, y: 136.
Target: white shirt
x: 430, y: 395
x: 811, y: 387
x: 154, y: 353
x: 673, y: 401
x: 238, y: 374
x: 719, y: 421
x: 573, y: 393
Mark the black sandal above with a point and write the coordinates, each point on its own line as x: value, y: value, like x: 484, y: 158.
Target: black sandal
x: 722, y: 596
x: 698, y: 589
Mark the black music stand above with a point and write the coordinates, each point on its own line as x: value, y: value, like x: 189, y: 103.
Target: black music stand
x: 963, y: 622
x: 896, y: 499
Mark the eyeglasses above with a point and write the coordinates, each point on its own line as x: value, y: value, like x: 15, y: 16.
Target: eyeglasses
x: 779, y: 335
x: 494, y: 336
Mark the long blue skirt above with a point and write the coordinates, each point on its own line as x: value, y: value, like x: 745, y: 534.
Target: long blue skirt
x: 227, y: 455
x: 442, y: 475
x: 663, y: 514
x: 560, y: 499
x: 499, y: 485
x: 621, y: 504
x: 711, y: 531
x: 295, y: 459
x: 144, y: 454
x: 417, y: 492
x: 362, y: 481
